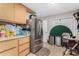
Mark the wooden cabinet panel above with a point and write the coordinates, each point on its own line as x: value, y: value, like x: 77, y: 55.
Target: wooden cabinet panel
x: 23, y: 47
x: 20, y: 46
x: 11, y: 52
x: 13, y: 12
x: 7, y: 12
x: 24, y: 40
x: 9, y: 45
x: 20, y: 14
x: 24, y: 53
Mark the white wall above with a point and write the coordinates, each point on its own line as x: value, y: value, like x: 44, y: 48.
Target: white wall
x: 70, y: 23
x: 45, y: 31
x: 67, y: 19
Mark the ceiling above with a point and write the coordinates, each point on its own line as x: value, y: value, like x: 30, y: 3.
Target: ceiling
x: 48, y: 9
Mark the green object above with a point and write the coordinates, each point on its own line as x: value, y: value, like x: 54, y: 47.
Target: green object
x: 59, y: 30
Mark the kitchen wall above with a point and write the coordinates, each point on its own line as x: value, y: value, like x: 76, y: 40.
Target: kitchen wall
x: 65, y: 19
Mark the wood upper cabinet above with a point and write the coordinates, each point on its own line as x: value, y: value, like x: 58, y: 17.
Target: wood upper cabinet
x: 20, y: 14
x: 7, y: 12
x: 13, y: 12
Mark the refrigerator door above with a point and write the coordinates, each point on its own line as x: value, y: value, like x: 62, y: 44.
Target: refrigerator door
x: 36, y: 36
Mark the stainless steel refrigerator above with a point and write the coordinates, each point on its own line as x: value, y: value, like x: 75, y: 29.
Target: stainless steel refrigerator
x: 36, y: 34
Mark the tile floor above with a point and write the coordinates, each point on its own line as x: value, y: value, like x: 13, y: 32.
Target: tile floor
x: 55, y: 50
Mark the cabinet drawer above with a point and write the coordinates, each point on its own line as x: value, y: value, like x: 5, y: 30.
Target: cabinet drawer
x: 11, y: 52
x: 23, y: 40
x: 8, y: 44
x: 23, y: 47
x: 24, y: 53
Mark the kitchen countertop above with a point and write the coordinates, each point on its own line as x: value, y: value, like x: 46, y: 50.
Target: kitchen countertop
x: 11, y: 38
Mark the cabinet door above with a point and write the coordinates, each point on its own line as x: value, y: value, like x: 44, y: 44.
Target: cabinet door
x: 24, y: 53
x: 24, y: 40
x: 11, y: 52
x: 7, y: 12
x: 20, y: 14
x: 24, y: 46
x: 9, y: 47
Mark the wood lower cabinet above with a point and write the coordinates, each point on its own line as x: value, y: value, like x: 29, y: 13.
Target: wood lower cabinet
x: 15, y: 47
x: 9, y: 47
x: 24, y: 46
x: 25, y: 52
x: 24, y: 40
x: 10, y: 52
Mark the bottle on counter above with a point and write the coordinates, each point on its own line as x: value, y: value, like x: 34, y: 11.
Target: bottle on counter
x: 2, y: 34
